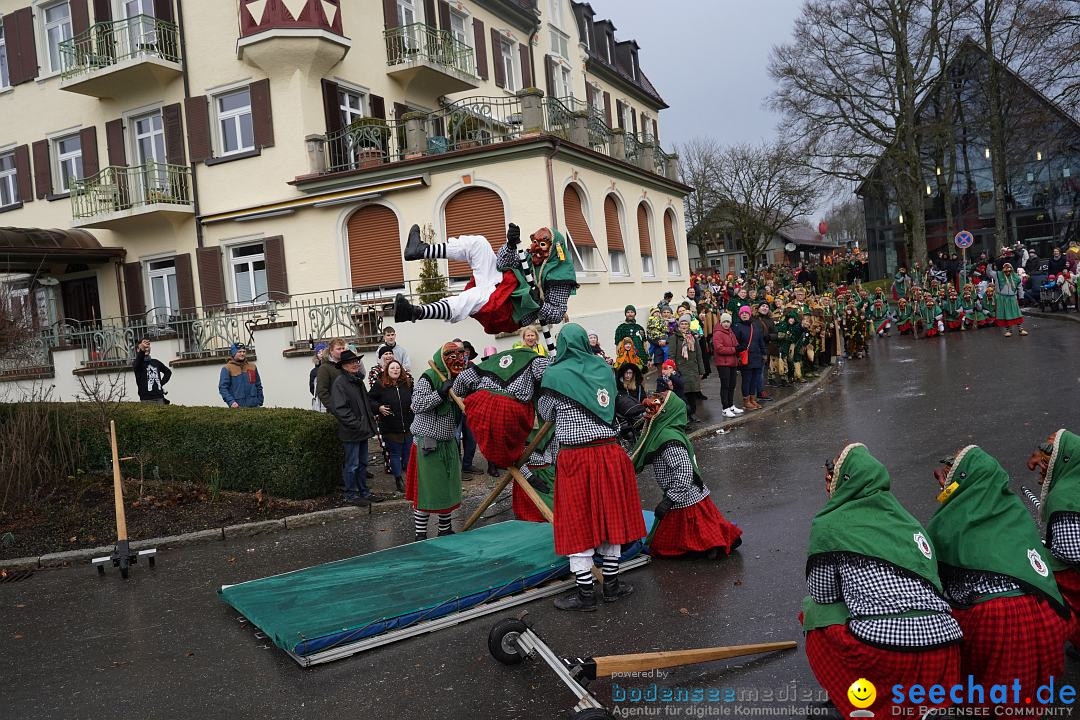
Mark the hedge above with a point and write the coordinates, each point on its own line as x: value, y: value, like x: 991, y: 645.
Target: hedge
x: 287, y: 453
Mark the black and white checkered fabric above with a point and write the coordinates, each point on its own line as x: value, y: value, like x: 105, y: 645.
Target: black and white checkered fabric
x: 573, y: 425
x: 1065, y: 537
x: 522, y: 388
x: 871, y: 587
x: 553, y: 309
x: 674, y: 472
x: 425, y: 422
x: 965, y: 587
x: 506, y: 259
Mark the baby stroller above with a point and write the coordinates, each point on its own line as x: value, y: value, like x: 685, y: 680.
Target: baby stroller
x: 1052, y: 294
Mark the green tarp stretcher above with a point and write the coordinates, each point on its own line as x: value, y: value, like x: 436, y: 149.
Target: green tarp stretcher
x: 330, y: 611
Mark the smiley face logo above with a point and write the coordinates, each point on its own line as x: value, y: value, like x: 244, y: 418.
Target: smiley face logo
x: 862, y: 693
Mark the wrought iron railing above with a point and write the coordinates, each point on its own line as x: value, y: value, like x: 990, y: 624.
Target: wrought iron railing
x: 30, y: 354
x: 123, y: 188
x: 366, y: 143
x: 560, y: 118
x: 108, y: 43
x: 633, y: 148
x: 474, y: 121
x: 420, y: 42
x: 660, y: 160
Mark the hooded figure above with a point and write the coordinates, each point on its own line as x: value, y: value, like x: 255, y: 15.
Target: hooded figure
x: 875, y: 608
x: 904, y: 317
x: 687, y: 520
x: 597, y: 506
x: 996, y: 575
x: 1007, y: 306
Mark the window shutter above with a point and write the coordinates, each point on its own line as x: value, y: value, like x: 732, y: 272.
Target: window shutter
x: 575, y: 218
x: 185, y: 283
x: 197, y: 110
x: 633, y: 119
x: 496, y: 58
x: 88, y: 142
x: 378, y: 106
x: 174, y: 135
x: 133, y: 290
x: 669, y: 236
x: 102, y: 10
x: 374, y: 248
x: 480, y: 48
x: 20, y: 36
x: 80, y: 17
x: 607, y: 108
x: 331, y: 105
x: 389, y: 9
x: 444, y: 15
x: 277, y: 279
x: 549, y: 75
x: 262, y: 115
x: 114, y: 139
x: 211, y: 279
x: 655, y: 132
x: 163, y: 10
x: 42, y: 171
x: 644, y: 236
x: 613, y: 226
x: 619, y: 117
x: 429, y: 13
x: 474, y: 211
x: 399, y: 111
x: 526, y: 65
x: 588, y: 96
x: 22, y: 174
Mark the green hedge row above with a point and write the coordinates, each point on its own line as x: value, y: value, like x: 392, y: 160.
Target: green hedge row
x: 287, y: 453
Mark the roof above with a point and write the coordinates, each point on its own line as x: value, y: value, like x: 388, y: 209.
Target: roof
x: 25, y: 248
x: 598, y: 61
x: 805, y: 235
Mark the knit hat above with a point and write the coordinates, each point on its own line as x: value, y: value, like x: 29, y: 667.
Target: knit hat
x: 685, y: 317
x: 489, y: 351
x: 628, y: 308
x: 725, y: 317
x: 744, y: 307
x: 593, y: 333
x: 668, y: 364
x: 235, y: 348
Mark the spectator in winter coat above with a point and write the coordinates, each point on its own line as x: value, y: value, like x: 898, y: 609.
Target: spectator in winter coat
x: 150, y: 375
x: 724, y: 350
x: 317, y: 360
x: 351, y: 406
x: 239, y: 383
x: 389, y: 338
x: 391, y: 394
x: 329, y: 371
x: 669, y: 379
x: 630, y: 382
x: 753, y: 342
x: 765, y: 322
x: 685, y: 349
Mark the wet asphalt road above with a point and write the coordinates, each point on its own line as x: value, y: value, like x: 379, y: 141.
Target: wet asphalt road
x: 162, y: 646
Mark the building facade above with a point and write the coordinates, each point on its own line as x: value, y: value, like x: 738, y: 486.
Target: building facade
x: 220, y: 170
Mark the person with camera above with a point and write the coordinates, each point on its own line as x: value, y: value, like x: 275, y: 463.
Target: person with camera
x: 151, y: 375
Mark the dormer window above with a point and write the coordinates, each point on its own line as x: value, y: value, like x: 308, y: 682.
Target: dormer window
x: 610, y: 49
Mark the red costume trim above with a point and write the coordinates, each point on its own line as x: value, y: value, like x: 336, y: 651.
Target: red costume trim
x: 1009, y: 323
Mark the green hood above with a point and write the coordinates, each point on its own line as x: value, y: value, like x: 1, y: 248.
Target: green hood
x: 448, y: 405
x: 983, y: 526
x: 1061, y: 491
x: 863, y: 517
x: 559, y: 266
x: 507, y: 365
x: 579, y: 375
x: 668, y: 426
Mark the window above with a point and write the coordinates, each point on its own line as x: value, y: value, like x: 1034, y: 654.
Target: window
x: 559, y: 44
x: 646, y: 128
x: 556, y: 12
x: 9, y: 188
x: 142, y: 31
x: 149, y: 140
x: 628, y: 118
x: 459, y: 24
x: 4, y: 80
x: 673, y: 266
x: 564, y: 86
x: 406, y: 10
x: 57, y: 20
x: 249, y: 273
x: 618, y: 262
x: 234, y: 122
x: 164, y: 297
x: 610, y: 51
x: 352, y: 106
x: 584, y: 32
x: 596, y: 98
x: 69, y: 163
x: 506, y: 51
x: 647, y: 266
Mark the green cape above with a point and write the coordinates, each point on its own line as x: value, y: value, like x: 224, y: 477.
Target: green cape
x: 983, y: 526
x: 448, y: 405
x: 863, y: 517
x: 668, y: 426
x: 507, y: 365
x: 1061, y: 491
x: 579, y: 375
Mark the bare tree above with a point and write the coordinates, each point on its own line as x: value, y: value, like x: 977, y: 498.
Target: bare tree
x: 847, y: 222
x: 697, y: 163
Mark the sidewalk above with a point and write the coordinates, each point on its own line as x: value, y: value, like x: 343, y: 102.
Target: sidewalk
x: 1064, y: 315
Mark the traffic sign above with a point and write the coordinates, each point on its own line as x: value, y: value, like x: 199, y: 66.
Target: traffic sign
x: 964, y: 239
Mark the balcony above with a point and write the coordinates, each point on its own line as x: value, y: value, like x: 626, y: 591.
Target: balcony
x: 120, y: 196
x: 114, y: 58
x: 427, y: 61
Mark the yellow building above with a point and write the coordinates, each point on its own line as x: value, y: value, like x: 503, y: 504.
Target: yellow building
x: 221, y: 169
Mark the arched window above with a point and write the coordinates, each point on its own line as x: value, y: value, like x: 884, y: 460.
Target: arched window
x: 583, y: 245
x: 474, y: 211
x: 613, y: 225
x: 374, y: 249
x: 645, y: 240
x: 669, y: 243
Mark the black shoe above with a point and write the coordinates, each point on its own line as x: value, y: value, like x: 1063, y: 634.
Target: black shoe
x: 369, y: 475
x: 405, y: 311
x: 374, y: 498
x: 444, y: 533
x: 469, y: 471
x: 580, y: 600
x: 613, y: 589
x: 1071, y: 651
x: 737, y: 543
x: 419, y: 537
x: 415, y: 248
x: 360, y: 501
x: 399, y: 483
x: 493, y: 471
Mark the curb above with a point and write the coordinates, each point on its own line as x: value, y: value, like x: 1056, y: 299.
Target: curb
x: 1065, y: 315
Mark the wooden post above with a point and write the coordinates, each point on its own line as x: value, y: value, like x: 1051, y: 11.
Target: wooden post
x: 118, y: 487
x: 501, y: 485
x: 674, y: 658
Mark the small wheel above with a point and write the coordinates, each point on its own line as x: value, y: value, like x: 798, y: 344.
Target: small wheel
x: 593, y: 714
x: 501, y: 641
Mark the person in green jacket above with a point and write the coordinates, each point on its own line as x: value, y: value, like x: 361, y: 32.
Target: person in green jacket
x: 880, y: 318
x: 632, y: 330
x: 1007, y: 308
x: 954, y: 311
x: 789, y: 336
x: 905, y: 321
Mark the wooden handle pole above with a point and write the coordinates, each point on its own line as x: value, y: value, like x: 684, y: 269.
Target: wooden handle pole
x: 528, y: 489
x: 535, y: 441
x: 673, y: 658
x: 499, y: 487
x: 442, y: 377
x: 118, y: 486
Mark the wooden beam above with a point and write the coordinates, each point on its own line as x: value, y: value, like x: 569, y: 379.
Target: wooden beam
x: 639, y: 662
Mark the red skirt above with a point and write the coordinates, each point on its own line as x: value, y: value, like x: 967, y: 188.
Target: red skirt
x: 698, y: 528
x: 985, y: 323
x: 1069, y: 584
x: 497, y: 314
x: 931, y: 331
x: 1012, y: 638
x: 597, y: 500
x: 500, y: 424
x: 523, y: 506
x: 906, y: 327
x: 1009, y: 323
x: 838, y: 659
x: 954, y: 324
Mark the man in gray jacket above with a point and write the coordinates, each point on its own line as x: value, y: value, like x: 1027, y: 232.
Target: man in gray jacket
x: 356, y: 425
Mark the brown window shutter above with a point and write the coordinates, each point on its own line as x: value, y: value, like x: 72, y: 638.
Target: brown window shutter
x: 42, y: 171
x: 174, y: 135
x: 80, y: 16
x: 22, y: 174
x: 277, y: 279
x: 429, y: 13
x: 669, y: 235
x: 133, y: 290
x: 607, y: 108
x: 331, y: 105
x: 211, y: 278
x: 619, y: 118
x: 613, y: 226
x: 549, y: 75
x: 588, y: 96
x: 88, y: 142
x: 444, y: 15
x: 474, y: 211
x: 185, y: 283
x: 399, y: 111
x: 197, y: 110
x: 19, y: 35
x: 576, y: 223
x: 496, y: 58
x: 633, y: 119
x: 389, y: 9
x: 102, y: 10
x: 163, y: 10
x: 262, y: 114
x: 643, y: 233
x: 655, y: 132
x: 480, y: 48
x: 378, y: 106
x: 114, y: 140
x: 374, y: 248
x: 526, y: 65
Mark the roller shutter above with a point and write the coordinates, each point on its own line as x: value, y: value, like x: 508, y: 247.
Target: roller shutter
x: 375, y: 248
x: 575, y: 218
x: 644, y: 236
x: 475, y: 211
x: 669, y: 235
x: 614, y: 227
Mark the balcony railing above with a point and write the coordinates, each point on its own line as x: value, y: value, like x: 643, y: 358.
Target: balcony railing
x: 108, y: 43
x: 419, y: 42
x: 118, y: 188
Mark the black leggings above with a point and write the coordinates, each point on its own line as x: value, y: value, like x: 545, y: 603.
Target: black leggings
x: 727, y: 385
